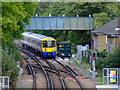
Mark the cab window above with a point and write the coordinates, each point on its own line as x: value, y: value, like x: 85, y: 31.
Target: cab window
x: 53, y: 44
x: 44, y: 44
x: 48, y: 44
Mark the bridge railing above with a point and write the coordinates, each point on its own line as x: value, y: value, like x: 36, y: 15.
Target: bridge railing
x: 61, y: 23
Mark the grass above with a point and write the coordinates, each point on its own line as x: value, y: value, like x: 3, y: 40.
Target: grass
x: 71, y: 60
x: 99, y: 80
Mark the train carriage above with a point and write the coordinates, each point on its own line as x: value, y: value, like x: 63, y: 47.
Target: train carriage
x: 40, y: 43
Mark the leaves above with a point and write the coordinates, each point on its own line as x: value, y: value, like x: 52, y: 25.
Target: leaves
x: 13, y: 16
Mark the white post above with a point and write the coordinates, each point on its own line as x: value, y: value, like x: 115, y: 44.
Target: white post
x: 3, y: 83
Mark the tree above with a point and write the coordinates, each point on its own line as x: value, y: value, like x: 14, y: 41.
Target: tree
x: 13, y: 16
x: 110, y: 12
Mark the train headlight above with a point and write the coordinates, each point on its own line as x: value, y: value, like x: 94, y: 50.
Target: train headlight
x: 44, y: 50
x: 53, y: 49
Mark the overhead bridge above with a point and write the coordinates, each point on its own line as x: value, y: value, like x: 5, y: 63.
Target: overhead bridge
x: 60, y: 23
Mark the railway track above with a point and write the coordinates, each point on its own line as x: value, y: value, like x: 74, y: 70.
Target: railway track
x: 51, y: 68
x: 71, y: 72
x: 32, y: 72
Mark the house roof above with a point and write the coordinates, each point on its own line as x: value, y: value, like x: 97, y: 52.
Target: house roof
x: 109, y: 28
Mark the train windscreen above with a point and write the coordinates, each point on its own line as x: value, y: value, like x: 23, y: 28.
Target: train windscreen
x: 48, y: 44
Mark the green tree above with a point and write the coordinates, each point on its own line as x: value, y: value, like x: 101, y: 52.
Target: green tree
x: 79, y: 37
x: 111, y: 11
x: 13, y: 16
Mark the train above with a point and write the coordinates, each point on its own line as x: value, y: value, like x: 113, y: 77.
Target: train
x: 45, y: 46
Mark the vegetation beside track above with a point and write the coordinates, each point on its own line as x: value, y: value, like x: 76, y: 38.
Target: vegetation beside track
x: 13, y: 16
x: 10, y: 56
x: 104, y: 60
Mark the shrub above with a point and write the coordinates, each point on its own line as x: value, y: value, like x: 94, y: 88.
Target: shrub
x: 110, y: 61
x: 113, y: 59
x: 10, y: 56
x: 9, y: 66
x: 102, y: 54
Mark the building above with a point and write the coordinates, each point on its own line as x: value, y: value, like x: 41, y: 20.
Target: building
x: 107, y: 36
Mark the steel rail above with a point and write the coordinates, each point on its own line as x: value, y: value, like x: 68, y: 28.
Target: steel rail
x: 48, y: 78
x: 47, y: 68
x: 71, y: 70
x: 33, y: 73
x: 47, y: 75
x: 29, y: 68
x: 62, y: 79
x: 73, y: 74
x: 44, y: 71
x: 51, y: 81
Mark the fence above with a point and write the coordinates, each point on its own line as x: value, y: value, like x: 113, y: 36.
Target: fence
x: 4, y: 82
x: 110, y: 76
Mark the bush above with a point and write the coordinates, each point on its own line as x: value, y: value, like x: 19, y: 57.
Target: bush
x: 113, y: 59
x: 110, y: 61
x: 9, y: 67
x: 10, y: 56
x: 102, y: 54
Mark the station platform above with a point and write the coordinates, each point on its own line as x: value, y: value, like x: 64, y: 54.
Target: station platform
x: 108, y: 87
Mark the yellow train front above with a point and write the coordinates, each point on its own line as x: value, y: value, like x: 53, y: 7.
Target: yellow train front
x: 49, y: 47
x: 41, y: 44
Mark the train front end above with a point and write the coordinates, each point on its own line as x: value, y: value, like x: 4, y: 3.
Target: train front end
x: 49, y: 47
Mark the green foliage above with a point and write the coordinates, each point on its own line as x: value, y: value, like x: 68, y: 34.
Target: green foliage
x: 100, y: 63
x: 70, y: 8
x: 84, y: 60
x: 9, y: 66
x: 79, y: 37
x: 102, y: 54
x: 113, y: 59
x: 13, y: 16
x: 89, y: 51
x: 110, y: 61
x: 10, y: 56
x: 110, y: 11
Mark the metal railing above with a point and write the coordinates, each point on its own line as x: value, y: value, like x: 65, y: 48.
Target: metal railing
x: 4, y: 82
